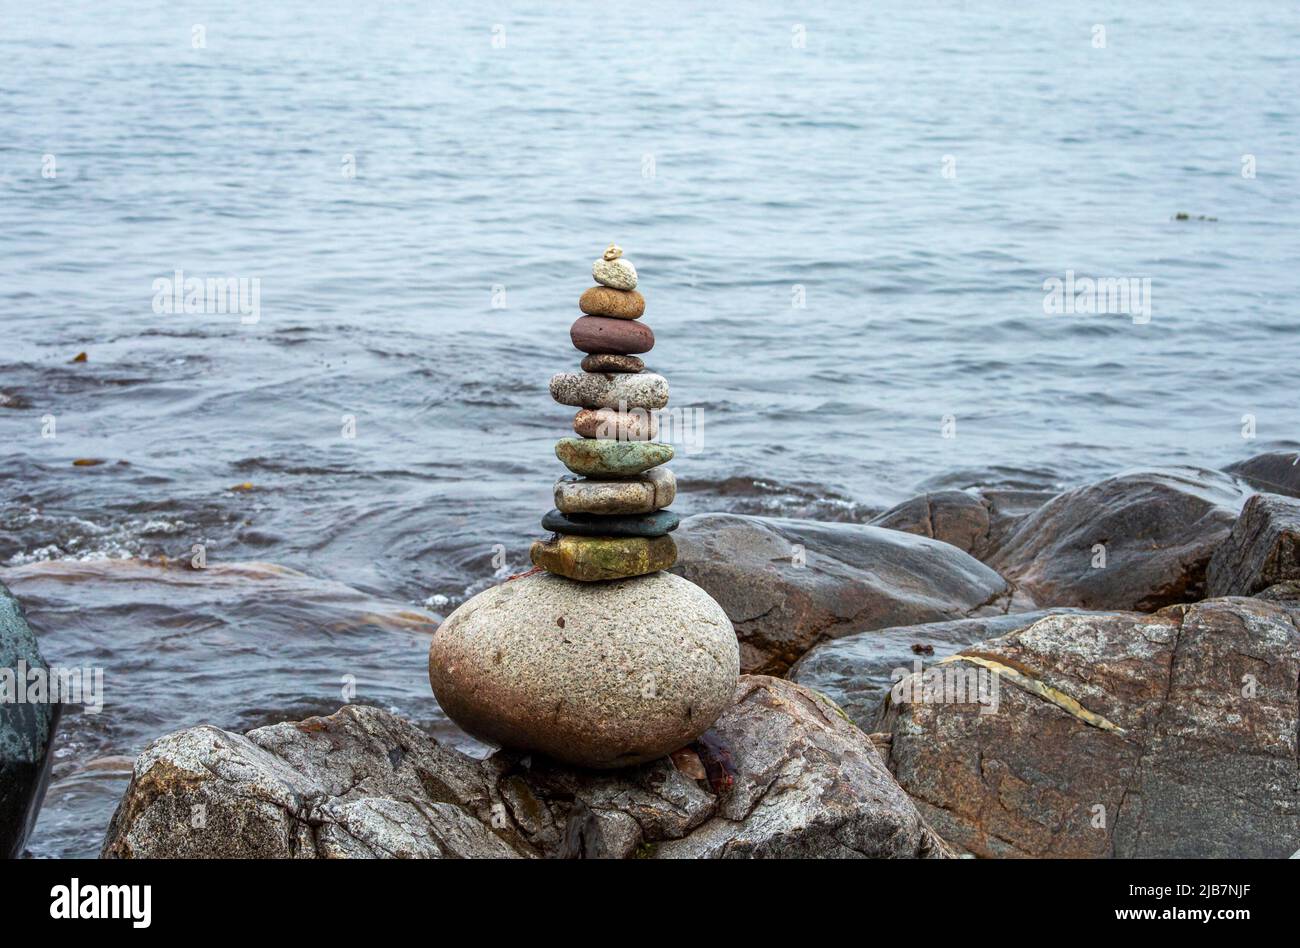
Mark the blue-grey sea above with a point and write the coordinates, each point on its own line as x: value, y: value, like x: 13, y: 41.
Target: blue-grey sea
x: 843, y: 216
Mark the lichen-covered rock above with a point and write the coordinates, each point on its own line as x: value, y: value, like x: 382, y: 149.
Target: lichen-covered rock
x: 619, y: 274
x: 1119, y: 734
x: 1263, y: 548
x: 789, y: 584
x: 857, y: 671
x: 365, y: 783
x: 597, y: 675
x: 607, y: 457
x: 1139, y: 540
x: 26, y: 730
x: 594, y: 558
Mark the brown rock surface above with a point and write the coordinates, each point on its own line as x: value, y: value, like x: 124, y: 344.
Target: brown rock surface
x: 363, y: 783
x: 789, y: 584
x: 1155, y: 528
x: 1262, y: 550
x: 1122, y: 734
x: 609, y: 362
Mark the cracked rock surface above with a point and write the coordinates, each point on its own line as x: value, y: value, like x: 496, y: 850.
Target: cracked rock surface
x: 365, y: 783
x: 1122, y: 734
x: 788, y: 584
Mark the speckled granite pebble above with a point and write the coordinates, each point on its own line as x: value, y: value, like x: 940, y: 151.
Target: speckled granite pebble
x: 619, y: 273
x: 610, y: 390
x: 598, y: 675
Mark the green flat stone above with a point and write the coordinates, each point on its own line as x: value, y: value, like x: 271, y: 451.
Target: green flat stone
x: 605, y: 457
x: 594, y: 558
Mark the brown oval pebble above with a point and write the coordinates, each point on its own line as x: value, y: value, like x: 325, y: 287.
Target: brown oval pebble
x: 608, y: 362
x: 607, y: 301
x: 600, y: 334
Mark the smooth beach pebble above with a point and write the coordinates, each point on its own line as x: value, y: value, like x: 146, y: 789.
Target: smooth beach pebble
x: 604, y: 457
x: 608, y: 362
x: 653, y: 490
x: 618, y: 274
x: 592, y: 559
x: 610, y: 390
x: 655, y: 524
x: 635, y: 424
x: 606, y: 301
x: 603, y: 334
x: 558, y: 667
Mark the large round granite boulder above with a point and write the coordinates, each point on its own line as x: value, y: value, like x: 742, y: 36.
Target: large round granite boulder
x: 600, y: 675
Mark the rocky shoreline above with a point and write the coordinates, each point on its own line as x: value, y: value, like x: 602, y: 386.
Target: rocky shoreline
x: 1132, y: 648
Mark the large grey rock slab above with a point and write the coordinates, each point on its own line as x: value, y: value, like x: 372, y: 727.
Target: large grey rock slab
x: 789, y: 584
x: 1262, y: 550
x: 26, y: 728
x: 1138, y: 540
x: 1122, y: 734
x: 365, y: 783
x: 857, y: 671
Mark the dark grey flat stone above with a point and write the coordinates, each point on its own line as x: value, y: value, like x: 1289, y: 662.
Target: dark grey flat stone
x: 655, y: 524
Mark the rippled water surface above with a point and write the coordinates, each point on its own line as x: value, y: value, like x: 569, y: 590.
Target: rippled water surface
x: 738, y: 170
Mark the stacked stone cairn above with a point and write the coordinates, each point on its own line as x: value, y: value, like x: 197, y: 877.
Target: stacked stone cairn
x: 600, y: 658
x: 609, y: 521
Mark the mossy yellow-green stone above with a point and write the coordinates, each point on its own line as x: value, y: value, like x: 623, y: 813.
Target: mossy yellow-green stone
x: 589, y: 559
x: 608, y: 457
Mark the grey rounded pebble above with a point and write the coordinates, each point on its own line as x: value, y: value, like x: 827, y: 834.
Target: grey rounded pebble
x: 594, y: 674
x: 646, y: 390
x: 653, y: 490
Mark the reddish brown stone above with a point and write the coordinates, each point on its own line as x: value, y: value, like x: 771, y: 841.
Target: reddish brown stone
x: 608, y: 362
x: 601, y: 334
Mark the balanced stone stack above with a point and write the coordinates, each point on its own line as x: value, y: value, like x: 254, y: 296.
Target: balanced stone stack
x: 600, y: 659
x: 609, y: 521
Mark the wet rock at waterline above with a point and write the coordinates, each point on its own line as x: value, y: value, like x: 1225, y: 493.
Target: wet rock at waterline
x: 858, y: 671
x: 1262, y: 549
x: 28, y: 720
x: 594, y: 674
x: 1139, y: 540
x: 789, y: 584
